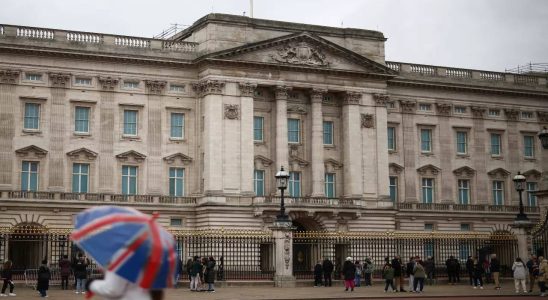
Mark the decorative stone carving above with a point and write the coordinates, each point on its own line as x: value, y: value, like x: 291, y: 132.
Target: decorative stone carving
x: 542, y: 116
x: 178, y: 157
x: 352, y: 98
x: 317, y: 95
x: 297, y: 108
x: 9, y: 76
x: 59, y: 79
x: 368, y: 121
x: 131, y: 155
x: 262, y: 160
x: 478, y: 111
x: 511, y: 114
x: 298, y: 161
x: 82, y: 153
x: 207, y: 87
x: 287, y: 249
x: 498, y: 173
x: 381, y: 99
x: 300, y: 53
x: 282, y: 92
x: 408, y: 106
x: 30, y: 151
x: 443, y: 109
x: 108, y: 83
x: 155, y: 86
x: 464, y: 172
x: 532, y: 174
x: 294, y: 150
x: 232, y: 111
x: 331, y: 165
x: 247, y: 89
x: 394, y: 169
x: 428, y: 170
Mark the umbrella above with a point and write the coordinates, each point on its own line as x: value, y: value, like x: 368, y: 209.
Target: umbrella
x: 129, y: 243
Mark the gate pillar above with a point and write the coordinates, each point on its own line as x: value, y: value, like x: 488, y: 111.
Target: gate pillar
x: 523, y: 235
x: 283, y: 238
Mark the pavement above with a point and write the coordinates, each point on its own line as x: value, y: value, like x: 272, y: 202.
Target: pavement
x: 439, y: 291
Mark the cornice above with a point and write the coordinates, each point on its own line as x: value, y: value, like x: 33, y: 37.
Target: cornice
x: 247, y: 89
x: 316, y: 95
x: 209, y: 87
x: 107, y: 83
x: 381, y: 99
x: 352, y: 98
x: 9, y: 76
x: 59, y: 80
x: 155, y: 86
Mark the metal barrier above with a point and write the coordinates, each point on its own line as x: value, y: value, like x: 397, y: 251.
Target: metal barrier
x: 31, y: 276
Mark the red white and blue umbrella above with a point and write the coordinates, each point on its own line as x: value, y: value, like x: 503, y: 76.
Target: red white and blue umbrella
x: 129, y: 243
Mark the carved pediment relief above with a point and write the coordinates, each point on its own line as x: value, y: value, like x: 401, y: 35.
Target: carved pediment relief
x: 428, y: 170
x: 498, y: 173
x: 179, y: 158
x: 294, y: 160
x: 131, y: 156
x: 262, y: 161
x: 465, y: 171
x: 296, y: 108
x: 532, y: 174
x: 331, y: 165
x: 394, y: 168
x: 31, y: 151
x: 82, y: 153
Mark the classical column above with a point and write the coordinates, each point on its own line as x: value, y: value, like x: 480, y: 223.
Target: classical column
x: 318, y: 165
x: 446, y: 183
x: 480, y: 155
x: 8, y: 104
x: 56, y: 163
x: 409, y: 145
x: 282, y: 151
x: 381, y: 125
x: 247, y: 91
x: 155, y: 90
x: 107, y: 166
x: 352, y: 152
x: 512, y: 116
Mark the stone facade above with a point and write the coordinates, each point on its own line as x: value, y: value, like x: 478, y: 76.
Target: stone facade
x: 211, y: 81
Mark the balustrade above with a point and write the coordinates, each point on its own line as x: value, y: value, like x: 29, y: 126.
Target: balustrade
x: 131, y: 42
x: 86, y: 38
x: 36, y: 33
x: 394, y: 66
x: 524, y: 79
x: 495, y: 76
x: 458, y: 73
x: 423, y: 70
x: 465, y: 207
x: 179, y: 46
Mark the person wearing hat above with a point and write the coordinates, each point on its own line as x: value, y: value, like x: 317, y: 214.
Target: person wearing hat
x: 349, y: 274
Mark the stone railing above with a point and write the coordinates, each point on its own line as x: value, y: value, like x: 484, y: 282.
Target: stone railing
x: 308, y: 201
x: 94, y: 197
x: 90, y: 38
x: 465, y: 207
x: 486, y: 76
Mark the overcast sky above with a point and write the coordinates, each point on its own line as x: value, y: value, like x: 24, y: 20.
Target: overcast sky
x: 477, y: 34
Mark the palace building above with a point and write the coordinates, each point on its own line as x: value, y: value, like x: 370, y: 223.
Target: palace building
x: 196, y: 126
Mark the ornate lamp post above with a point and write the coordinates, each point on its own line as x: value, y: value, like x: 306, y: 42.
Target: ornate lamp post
x: 519, y: 183
x: 282, y: 177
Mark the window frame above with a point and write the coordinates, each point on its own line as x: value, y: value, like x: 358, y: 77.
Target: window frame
x: 79, y: 175
x: 394, y: 146
x: 289, y: 131
x: 259, y: 182
x: 531, y: 147
x: 331, y: 182
x: 425, y: 188
x: 464, y: 189
x: 175, y: 179
x: 425, y: 107
x: 491, y: 134
x: 129, y: 177
x: 76, y: 107
x: 136, y: 122
x: 461, y: 110
x: 258, y: 130
x: 430, y: 142
x: 30, y: 75
x: 172, y: 126
x: 394, y: 186
x: 330, y: 134
x: 79, y: 81
x: 496, y: 191
x: 465, y: 143
x: 131, y: 84
x: 29, y: 172
x: 38, y: 117
x: 292, y: 183
x: 531, y: 197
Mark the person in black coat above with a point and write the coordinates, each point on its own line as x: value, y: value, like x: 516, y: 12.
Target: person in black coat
x: 452, y: 269
x: 327, y: 268
x: 44, y: 276
x: 470, y: 269
x: 349, y: 274
x: 318, y: 271
x: 7, y: 275
x: 478, y: 274
x: 398, y: 279
x: 80, y: 268
x: 209, y: 275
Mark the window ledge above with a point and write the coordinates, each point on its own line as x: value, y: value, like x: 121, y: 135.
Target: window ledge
x: 32, y: 131
x: 497, y: 157
x: 131, y: 137
x: 463, y: 156
x: 530, y: 159
x: 82, y: 134
x: 259, y: 143
x: 427, y: 154
x: 392, y: 151
x: 177, y: 140
x: 329, y: 146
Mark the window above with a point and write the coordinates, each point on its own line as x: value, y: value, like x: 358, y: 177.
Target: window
x: 526, y: 115
x: 464, y: 191
x: 460, y: 109
x: 81, y: 119
x: 177, y: 125
x: 130, y: 122
x: 392, y: 138
x: 258, y: 182
x: 176, y: 182
x: 131, y: 84
x: 176, y: 88
x: 425, y: 107
x: 426, y: 140
x: 294, y: 184
x: 495, y: 144
x: 428, y: 227
x: 29, y: 176
x: 494, y: 112
x: 82, y: 81
x: 498, y: 192
x: 176, y: 222
x: 529, y: 146
x: 327, y: 133
x: 391, y: 105
x: 531, y: 197
x: 80, y: 178
x: 294, y: 130
x: 330, y: 185
x: 129, y: 180
x: 464, y: 227
x: 258, y: 129
x: 427, y: 190
x: 32, y: 116
x: 33, y: 77
x: 462, y: 142
x: 393, y: 187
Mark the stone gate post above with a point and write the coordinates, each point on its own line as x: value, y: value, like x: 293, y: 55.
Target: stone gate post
x: 523, y: 234
x: 283, y: 239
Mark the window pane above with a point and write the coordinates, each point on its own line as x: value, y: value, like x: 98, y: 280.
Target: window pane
x: 258, y: 128
x: 391, y: 138
x: 81, y: 121
x: 177, y: 125
x: 426, y: 140
x: 130, y: 122
x: 294, y: 184
x: 293, y: 127
x: 258, y: 178
x: 393, y: 185
x: 327, y: 133
x: 330, y: 185
x: 495, y: 144
x: 32, y: 116
x: 461, y: 142
x: 531, y: 197
x: 24, y: 180
x: 528, y: 142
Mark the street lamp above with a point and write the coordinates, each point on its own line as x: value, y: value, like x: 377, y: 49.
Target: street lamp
x: 282, y: 177
x: 519, y: 183
x: 543, y: 136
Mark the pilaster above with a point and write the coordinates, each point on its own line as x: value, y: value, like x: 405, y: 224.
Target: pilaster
x: 8, y: 104
x: 512, y: 116
x: 446, y: 177
x: 247, y: 91
x: 381, y: 126
x: 318, y: 165
x: 282, y: 150
x: 409, y: 146
x: 155, y: 89
x: 480, y: 155
x: 352, y: 152
x: 107, y: 164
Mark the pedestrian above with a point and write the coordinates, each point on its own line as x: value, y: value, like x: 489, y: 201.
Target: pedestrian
x: 44, y: 276
x: 80, y: 273
x: 7, y: 277
x: 409, y: 267
x: 203, y: 262
x: 452, y: 267
x: 210, y: 274
x: 388, y: 275
x: 430, y: 267
x: 195, y: 274
x: 318, y: 272
x: 487, y: 270
x: 359, y: 271
x: 495, y: 270
x: 114, y: 287
x: 520, y: 273
x: 533, y: 268
x: 188, y: 267
x: 368, y: 271
x: 349, y: 274
x: 64, y: 270
x: 543, y: 271
x: 398, y: 279
x: 327, y: 267
x: 470, y: 269
x: 419, y: 274
x: 478, y: 274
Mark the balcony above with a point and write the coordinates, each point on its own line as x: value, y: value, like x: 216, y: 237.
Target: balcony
x: 448, y: 207
x: 308, y: 201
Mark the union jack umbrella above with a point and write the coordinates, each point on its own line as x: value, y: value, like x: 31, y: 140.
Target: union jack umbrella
x: 129, y: 243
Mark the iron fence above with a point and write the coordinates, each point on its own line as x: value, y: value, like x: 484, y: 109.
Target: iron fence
x: 540, y: 236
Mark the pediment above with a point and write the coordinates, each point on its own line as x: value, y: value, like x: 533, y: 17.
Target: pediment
x: 31, y: 151
x: 297, y: 160
x: 303, y: 50
x: 428, y: 170
x: 533, y: 174
x: 259, y: 159
x: 394, y: 168
x: 82, y: 153
x: 178, y: 158
x: 498, y: 173
x: 331, y: 165
x: 130, y: 156
x: 464, y: 172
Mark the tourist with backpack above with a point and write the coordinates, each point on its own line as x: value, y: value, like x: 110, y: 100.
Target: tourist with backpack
x: 388, y: 275
x: 44, y: 275
x: 520, y: 273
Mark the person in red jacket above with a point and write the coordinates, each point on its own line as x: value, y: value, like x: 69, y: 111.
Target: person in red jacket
x: 64, y: 270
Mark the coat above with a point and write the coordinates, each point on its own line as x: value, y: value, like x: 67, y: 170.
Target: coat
x: 318, y: 270
x: 396, y: 265
x: 478, y: 270
x: 388, y: 272
x: 196, y: 269
x: 327, y: 266
x: 64, y: 267
x: 43, y: 278
x: 7, y: 274
x: 543, y: 271
x: 520, y: 271
x: 418, y: 271
x: 368, y: 267
x: 349, y: 270
x: 80, y: 269
x: 209, y: 276
x: 429, y: 266
x: 495, y: 265
x: 409, y: 268
x: 114, y: 287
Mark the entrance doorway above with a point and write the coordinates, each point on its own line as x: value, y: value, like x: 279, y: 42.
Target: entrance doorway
x: 306, y: 252
x: 27, y: 246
